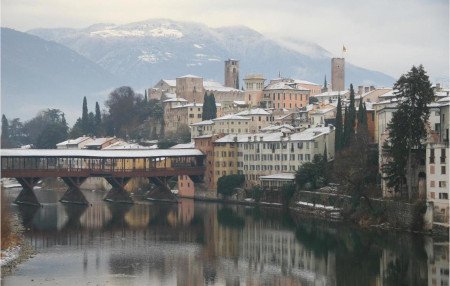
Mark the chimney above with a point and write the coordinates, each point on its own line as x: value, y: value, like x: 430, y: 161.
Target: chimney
x: 372, y: 88
x: 366, y: 89
x: 360, y: 89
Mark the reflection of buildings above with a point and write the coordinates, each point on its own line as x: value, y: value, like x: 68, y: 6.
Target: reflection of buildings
x: 438, y: 265
x: 266, y: 246
x: 95, y: 216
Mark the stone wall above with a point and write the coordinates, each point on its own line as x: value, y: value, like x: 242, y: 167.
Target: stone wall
x: 397, y: 214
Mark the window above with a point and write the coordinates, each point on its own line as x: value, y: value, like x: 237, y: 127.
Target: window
x: 432, y: 184
x: 442, y: 155
x: 191, y: 115
x: 431, y: 169
x: 431, y: 156
x: 442, y: 184
x: 316, y: 144
x: 443, y: 170
x: 443, y: 196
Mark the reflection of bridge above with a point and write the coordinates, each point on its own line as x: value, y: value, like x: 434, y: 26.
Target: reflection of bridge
x: 28, y: 166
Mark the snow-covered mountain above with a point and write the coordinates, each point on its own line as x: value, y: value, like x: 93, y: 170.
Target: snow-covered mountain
x: 141, y: 53
x: 38, y: 74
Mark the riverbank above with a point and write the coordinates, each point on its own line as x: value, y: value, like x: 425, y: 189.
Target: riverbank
x: 387, y: 215
x: 17, y: 252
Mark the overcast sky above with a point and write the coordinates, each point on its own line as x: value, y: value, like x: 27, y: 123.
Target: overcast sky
x: 385, y: 35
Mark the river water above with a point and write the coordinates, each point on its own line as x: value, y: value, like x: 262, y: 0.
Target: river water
x: 197, y: 243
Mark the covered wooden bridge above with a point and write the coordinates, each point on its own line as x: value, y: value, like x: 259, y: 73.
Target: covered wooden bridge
x: 28, y: 166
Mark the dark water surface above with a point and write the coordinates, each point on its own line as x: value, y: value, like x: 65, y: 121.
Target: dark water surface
x: 195, y: 243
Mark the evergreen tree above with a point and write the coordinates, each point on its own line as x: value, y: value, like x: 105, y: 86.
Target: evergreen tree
x: 84, y: 116
x: 5, y: 132
x: 205, y: 111
x: 362, y: 119
x: 325, y: 84
x: 98, y: 116
x: 407, y: 128
x: 350, y: 117
x: 338, y: 133
x: 213, y: 106
x: 345, y: 128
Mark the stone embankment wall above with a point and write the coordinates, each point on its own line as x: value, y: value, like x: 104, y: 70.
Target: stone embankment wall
x: 397, y: 214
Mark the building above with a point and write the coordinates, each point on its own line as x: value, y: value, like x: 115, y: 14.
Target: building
x: 100, y: 143
x: 164, y: 86
x: 78, y: 143
x: 223, y: 94
x: 231, y: 123
x: 332, y: 96
x: 337, y: 74
x: 276, y: 181
x: 253, y: 89
x: 313, y: 88
x: 190, y: 87
x: 285, y: 94
x: 232, y: 73
x: 181, y: 115
x: 437, y: 168
x: 262, y: 154
x: 259, y: 118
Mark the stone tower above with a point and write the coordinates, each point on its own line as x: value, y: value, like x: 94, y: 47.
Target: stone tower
x: 337, y: 74
x: 254, y: 85
x: 232, y: 73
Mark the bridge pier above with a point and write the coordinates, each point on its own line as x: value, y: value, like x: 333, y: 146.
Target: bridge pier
x: 162, y: 192
x: 73, y: 195
x: 118, y: 194
x: 27, y: 196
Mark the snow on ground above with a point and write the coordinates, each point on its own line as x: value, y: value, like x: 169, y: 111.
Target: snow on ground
x: 9, y: 255
x: 317, y: 206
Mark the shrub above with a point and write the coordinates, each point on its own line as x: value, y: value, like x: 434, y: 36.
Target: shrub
x: 226, y: 185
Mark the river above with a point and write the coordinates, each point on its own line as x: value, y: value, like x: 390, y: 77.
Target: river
x: 198, y: 243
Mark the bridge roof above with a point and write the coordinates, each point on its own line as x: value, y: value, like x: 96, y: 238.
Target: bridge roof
x: 100, y: 153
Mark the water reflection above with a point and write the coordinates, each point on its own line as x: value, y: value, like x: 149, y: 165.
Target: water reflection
x: 197, y: 243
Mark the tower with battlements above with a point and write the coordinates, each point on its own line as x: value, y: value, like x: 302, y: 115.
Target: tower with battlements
x: 232, y: 73
x: 337, y: 74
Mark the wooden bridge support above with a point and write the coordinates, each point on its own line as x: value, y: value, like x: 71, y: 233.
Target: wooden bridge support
x: 27, y: 196
x: 162, y: 192
x: 118, y: 194
x: 73, y: 195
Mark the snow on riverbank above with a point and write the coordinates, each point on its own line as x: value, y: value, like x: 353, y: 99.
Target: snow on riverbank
x: 9, y: 255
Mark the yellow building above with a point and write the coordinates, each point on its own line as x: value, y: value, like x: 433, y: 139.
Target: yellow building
x: 225, y: 160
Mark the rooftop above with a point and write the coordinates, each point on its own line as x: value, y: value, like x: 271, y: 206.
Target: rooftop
x: 254, y: 111
x: 74, y: 141
x: 100, y: 153
x: 231, y: 117
x: 280, y: 176
x: 204, y: 122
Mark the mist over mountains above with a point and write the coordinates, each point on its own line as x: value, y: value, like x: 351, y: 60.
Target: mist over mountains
x: 62, y: 65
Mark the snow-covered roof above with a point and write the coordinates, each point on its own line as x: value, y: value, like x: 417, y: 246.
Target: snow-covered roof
x: 74, y: 141
x: 204, y: 122
x: 100, y: 141
x: 176, y: 99
x: 231, y: 117
x: 254, y: 111
x: 121, y: 145
x: 170, y: 95
x: 280, y: 176
x: 323, y: 110
x: 189, y: 145
x: 189, y: 105
x: 300, y: 81
x: 331, y: 93
x: 216, y: 86
x: 170, y: 82
x: 190, y: 75
x: 306, y: 135
x: 99, y: 153
x: 278, y: 85
x: 278, y: 127
x: 239, y: 102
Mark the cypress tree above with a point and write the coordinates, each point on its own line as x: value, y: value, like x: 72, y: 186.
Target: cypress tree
x: 350, y: 117
x: 361, y: 114
x: 205, y: 111
x: 325, y: 84
x: 84, y: 116
x: 98, y: 116
x: 5, y: 132
x: 344, y: 140
x: 213, y: 106
x: 338, y: 133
